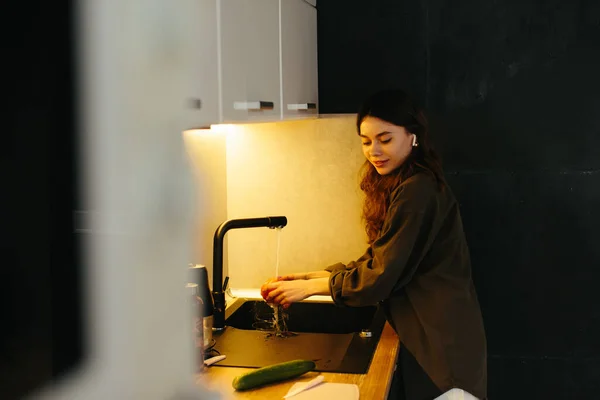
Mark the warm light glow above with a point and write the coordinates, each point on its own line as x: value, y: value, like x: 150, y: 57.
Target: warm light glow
x: 195, y: 132
x: 226, y: 128
x: 204, y: 135
x: 214, y: 130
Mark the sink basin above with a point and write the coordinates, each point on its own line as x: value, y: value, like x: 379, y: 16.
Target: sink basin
x: 337, y: 339
x: 305, y: 317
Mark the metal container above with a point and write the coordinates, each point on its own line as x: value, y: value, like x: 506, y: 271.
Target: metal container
x: 197, y: 333
x: 199, y: 276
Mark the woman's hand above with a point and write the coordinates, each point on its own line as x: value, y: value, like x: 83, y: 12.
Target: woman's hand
x: 264, y: 289
x: 286, y: 292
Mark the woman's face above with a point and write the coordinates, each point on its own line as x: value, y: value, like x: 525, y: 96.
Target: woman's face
x: 385, y: 145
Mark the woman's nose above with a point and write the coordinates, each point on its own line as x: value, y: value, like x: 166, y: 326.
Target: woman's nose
x: 375, y: 150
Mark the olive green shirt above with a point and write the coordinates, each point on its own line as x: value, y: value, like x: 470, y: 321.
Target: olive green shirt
x: 419, y: 270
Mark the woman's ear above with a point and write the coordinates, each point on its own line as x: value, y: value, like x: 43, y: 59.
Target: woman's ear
x: 414, y: 143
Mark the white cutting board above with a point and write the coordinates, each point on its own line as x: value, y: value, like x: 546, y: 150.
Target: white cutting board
x: 327, y: 391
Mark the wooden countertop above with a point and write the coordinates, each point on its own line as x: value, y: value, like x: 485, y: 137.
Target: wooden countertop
x: 374, y: 385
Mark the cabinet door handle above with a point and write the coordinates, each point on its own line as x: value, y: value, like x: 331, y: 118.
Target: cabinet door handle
x: 195, y: 103
x: 253, y: 105
x: 302, y: 106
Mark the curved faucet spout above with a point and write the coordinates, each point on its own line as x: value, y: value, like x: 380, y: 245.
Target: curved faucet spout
x: 218, y: 289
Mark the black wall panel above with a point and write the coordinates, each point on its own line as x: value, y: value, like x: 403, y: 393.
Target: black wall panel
x: 41, y: 335
x: 512, y: 90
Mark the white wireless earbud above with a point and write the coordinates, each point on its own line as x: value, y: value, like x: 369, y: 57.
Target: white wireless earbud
x: 415, y: 144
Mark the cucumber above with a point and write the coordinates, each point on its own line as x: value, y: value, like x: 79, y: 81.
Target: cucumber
x: 272, y: 373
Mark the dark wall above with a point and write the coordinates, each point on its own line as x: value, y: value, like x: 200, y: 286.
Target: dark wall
x: 513, y: 94
x: 40, y: 302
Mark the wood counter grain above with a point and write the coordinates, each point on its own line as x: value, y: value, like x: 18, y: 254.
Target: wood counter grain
x: 374, y: 385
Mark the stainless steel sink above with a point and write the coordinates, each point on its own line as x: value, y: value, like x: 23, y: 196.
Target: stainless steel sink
x: 338, y: 339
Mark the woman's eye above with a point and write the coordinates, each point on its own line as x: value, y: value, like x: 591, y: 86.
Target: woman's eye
x: 386, y: 141
x: 366, y: 143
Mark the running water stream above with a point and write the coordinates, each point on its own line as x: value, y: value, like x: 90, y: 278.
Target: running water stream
x: 278, y: 323
x: 274, y: 323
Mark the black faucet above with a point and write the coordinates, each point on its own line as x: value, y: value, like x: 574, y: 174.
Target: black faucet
x: 218, y: 287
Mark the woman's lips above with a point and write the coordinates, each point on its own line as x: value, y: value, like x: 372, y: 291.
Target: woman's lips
x: 379, y: 164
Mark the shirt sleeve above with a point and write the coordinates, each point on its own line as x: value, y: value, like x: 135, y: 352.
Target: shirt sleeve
x: 341, y: 266
x: 392, y: 259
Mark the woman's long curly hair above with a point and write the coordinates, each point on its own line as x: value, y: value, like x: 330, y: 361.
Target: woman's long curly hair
x: 395, y: 107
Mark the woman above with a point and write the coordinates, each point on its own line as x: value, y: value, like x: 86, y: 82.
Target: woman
x: 417, y: 266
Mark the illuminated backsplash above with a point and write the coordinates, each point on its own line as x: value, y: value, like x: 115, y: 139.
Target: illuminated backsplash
x: 306, y: 170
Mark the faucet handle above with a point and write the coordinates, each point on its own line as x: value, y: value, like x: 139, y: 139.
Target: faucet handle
x: 225, y: 283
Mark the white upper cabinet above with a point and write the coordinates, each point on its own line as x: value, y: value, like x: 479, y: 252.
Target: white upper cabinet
x: 250, y: 62
x: 299, y: 58
x: 201, y: 106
